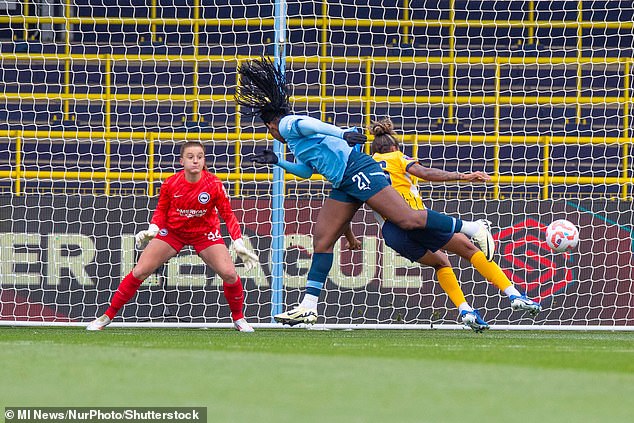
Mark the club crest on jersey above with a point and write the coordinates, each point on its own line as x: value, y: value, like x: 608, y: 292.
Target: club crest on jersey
x: 203, y: 198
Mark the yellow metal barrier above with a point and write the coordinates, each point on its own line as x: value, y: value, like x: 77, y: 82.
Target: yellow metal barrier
x: 18, y: 165
x: 316, y: 22
x: 324, y: 62
x: 545, y: 179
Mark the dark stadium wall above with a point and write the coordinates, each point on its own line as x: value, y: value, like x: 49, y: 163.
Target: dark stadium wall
x: 62, y: 256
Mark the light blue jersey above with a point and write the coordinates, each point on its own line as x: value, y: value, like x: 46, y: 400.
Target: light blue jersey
x: 317, y: 145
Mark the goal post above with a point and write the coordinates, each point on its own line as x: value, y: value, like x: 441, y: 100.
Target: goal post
x: 95, y: 102
x: 277, y: 191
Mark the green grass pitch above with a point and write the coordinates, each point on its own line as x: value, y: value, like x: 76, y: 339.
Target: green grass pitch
x: 306, y: 376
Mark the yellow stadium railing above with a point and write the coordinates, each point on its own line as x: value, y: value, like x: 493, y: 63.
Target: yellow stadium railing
x: 367, y: 99
x: 545, y: 178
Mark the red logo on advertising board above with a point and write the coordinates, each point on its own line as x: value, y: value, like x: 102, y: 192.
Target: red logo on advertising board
x: 529, y: 263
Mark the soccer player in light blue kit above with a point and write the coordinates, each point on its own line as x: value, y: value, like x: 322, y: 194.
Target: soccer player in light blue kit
x: 356, y: 178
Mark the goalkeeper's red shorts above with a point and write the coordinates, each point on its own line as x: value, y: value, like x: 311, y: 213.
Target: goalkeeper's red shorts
x: 198, y: 240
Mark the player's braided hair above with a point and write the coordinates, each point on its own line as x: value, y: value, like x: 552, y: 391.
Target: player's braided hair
x: 384, y: 136
x: 263, y: 88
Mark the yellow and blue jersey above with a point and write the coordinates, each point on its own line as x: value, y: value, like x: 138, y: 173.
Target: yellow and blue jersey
x: 412, y: 244
x: 395, y: 165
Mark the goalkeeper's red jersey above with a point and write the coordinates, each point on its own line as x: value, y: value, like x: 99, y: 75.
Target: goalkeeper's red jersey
x: 188, y: 209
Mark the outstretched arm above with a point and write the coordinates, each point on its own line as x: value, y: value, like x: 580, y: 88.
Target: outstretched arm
x: 223, y: 205
x: 438, y: 175
x: 299, y: 169
x: 305, y: 126
x: 269, y: 157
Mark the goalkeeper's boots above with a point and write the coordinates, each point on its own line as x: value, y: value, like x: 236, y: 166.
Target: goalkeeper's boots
x: 242, y: 325
x: 522, y: 302
x: 296, y: 316
x: 472, y: 319
x: 99, y: 323
x: 484, y: 239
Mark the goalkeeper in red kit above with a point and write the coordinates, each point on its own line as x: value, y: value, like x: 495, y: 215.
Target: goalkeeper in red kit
x: 187, y: 214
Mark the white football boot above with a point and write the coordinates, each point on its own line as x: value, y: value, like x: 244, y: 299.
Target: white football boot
x: 522, y: 302
x: 484, y: 239
x: 296, y: 316
x: 473, y: 320
x: 241, y: 325
x: 99, y: 323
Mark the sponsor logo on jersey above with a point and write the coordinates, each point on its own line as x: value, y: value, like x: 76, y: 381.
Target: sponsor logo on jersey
x: 191, y: 212
x: 163, y: 232
x: 203, y: 198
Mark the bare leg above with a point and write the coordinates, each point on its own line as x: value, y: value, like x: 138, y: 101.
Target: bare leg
x: 460, y: 244
x: 217, y: 257
x: 392, y: 206
x: 153, y: 256
x: 437, y: 260
x: 331, y: 222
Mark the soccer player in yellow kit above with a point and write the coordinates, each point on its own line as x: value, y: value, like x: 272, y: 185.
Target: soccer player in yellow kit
x: 424, y: 245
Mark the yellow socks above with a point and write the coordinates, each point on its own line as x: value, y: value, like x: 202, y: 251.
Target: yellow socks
x: 490, y: 270
x: 449, y: 283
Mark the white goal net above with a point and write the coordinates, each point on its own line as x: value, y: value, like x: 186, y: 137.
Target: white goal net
x: 95, y: 100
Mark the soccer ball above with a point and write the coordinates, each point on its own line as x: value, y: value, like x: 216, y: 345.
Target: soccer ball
x: 562, y: 235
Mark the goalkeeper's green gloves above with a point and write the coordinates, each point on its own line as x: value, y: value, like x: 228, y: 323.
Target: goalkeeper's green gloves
x: 143, y: 237
x: 249, y: 258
